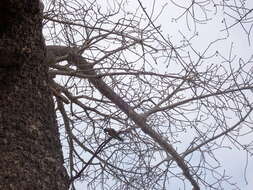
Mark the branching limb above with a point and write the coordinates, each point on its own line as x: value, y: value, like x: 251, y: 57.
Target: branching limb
x: 139, y: 119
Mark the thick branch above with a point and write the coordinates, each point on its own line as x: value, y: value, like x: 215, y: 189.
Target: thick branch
x: 104, y: 89
x: 139, y: 119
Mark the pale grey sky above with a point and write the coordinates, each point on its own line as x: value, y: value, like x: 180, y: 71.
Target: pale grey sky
x: 234, y: 161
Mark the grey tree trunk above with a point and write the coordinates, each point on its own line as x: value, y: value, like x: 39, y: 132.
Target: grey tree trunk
x: 30, y: 150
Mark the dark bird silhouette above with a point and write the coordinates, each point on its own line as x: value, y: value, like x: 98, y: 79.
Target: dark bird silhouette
x: 113, y: 133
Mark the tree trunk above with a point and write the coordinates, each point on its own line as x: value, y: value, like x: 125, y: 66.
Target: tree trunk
x: 30, y: 150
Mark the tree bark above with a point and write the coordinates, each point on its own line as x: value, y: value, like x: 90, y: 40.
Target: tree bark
x: 30, y: 149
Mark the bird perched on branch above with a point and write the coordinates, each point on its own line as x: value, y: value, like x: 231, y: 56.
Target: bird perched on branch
x: 113, y: 133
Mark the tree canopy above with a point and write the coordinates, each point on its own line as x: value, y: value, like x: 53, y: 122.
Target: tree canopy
x: 173, y: 78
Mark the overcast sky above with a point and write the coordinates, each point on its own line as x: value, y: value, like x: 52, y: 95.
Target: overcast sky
x: 234, y: 161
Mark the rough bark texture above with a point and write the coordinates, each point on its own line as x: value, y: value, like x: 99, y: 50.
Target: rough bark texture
x: 30, y: 150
